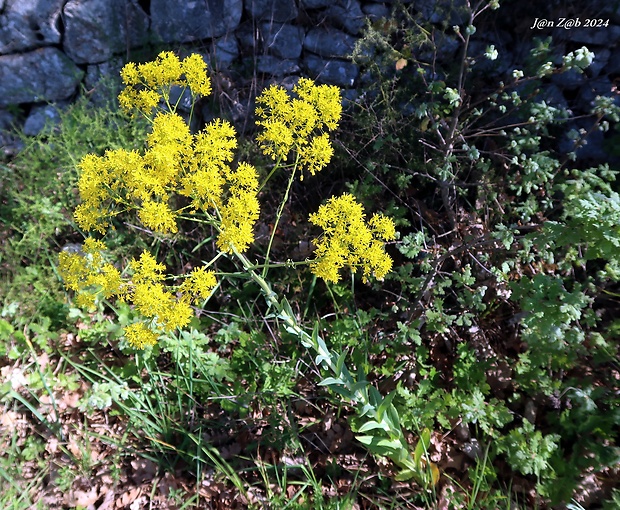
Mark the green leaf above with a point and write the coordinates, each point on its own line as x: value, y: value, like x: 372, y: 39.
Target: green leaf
x: 374, y: 396
x: 340, y: 363
x: 422, y: 446
x: 405, y: 475
x: 371, y: 425
x: 387, y: 402
x: 329, y: 381
x: 320, y: 359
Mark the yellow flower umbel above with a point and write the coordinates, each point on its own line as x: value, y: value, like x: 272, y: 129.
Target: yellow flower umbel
x: 159, y: 303
x: 139, y: 336
x: 241, y: 211
x: 348, y: 240
x: 149, y: 83
x: 299, y: 123
x: 199, y: 284
x: 89, y: 275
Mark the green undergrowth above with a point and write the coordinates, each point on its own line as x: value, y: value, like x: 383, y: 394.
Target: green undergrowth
x: 495, y: 336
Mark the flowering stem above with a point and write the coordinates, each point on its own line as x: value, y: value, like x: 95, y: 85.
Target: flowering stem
x: 275, y: 167
x: 278, y: 216
x: 384, y: 435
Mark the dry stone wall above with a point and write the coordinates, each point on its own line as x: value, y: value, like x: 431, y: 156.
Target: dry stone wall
x: 50, y: 48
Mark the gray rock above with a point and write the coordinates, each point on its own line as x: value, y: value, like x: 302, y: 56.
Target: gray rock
x: 97, y: 29
x: 376, y: 11
x: 613, y: 65
x: 601, y: 86
x: 274, y: 66
x: 282, y: 40
x: 530, y: 411
x: 7, y: 120
x: 446, y: 12
x: 332, y: 72
x: 191, y: 20
x: 315, y: 4
x: 602, y: 36
x: 102, y: 81
x: 348, y: 15
x: 182, y: 97
x: 569, y: 80
x: 10, y: 143
x: 443, y: 48
x: 592, y: 149
x: 497, y: 67
x: 329, y: 42
x: 611, y: 12
x: 473, y: 449
x: 272, y: 10
x: 45, y: 74
x: 224, y: 51
x: 553, y: 96
x: 41, y: 117
x: 601, y: 57
x: 247, y: 36
x: 109, y: 70
x: 26, y: 24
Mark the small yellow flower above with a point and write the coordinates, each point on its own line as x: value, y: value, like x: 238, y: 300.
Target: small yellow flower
x: 299, y: 123
x: 169, y: 129
x: 142, y: 100
x: 139, y: 336
x: 349, y: 241
x: 277, y: 139
x: 90, y: 218
x: 199, y: 284
x: 241, y: 211
x: 130, y: 74
x: 149, y: 83
x: 205, y: 187
x: 147, y: 269
x: 165, y: 70
x: 154, y: 300
x: 89, y: 275
x: 94, y: 177
x: 158, y: 217
x: 215, y: 144
x: 316, y: 155
x: 324, y: 98
x: 195, y: 70
x: 177, y: 315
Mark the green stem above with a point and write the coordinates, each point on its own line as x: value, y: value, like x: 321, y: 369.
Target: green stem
x: 361, y: 394
x: 275, y: 167
x: 278, y: 216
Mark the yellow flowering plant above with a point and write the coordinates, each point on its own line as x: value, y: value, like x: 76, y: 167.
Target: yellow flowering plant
x: 194, y: 176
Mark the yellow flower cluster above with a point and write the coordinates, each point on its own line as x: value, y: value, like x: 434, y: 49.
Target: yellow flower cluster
x: 349, y: 240
x: 241, y: 211
x: 148, y: 83
x: 174, y: 162
x: 299, y: 123
x: 179, y: 171
x: 90, y: 277
x: 139, y: 336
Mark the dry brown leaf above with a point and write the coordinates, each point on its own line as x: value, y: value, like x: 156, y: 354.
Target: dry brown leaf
x: 83, y: 498
x: 128, y: 497
x: 400, y: 64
